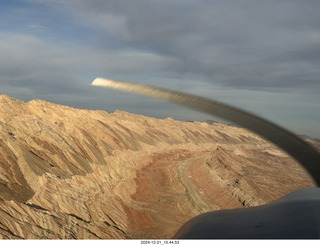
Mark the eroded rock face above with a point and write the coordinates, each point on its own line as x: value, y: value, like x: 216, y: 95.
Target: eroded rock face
x: 70, y: 173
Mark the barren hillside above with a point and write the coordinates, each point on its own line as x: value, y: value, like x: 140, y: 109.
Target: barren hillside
x: 70, y: 173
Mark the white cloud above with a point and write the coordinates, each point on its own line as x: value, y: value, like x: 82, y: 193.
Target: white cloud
x: 244, y: 47
x: 30, y: 62
x: 234, y: 43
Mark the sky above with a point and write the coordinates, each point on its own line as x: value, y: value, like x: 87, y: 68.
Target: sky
x: 260, y: 56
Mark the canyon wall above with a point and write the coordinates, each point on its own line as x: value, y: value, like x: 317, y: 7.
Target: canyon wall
x: 68, y: 173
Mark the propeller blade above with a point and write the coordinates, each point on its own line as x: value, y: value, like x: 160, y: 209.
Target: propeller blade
x: 304, y: 153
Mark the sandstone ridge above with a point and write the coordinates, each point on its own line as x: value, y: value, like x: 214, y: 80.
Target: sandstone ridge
x: 68, y: 173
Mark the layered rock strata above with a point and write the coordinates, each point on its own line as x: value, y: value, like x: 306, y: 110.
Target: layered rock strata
x: 68, y: 173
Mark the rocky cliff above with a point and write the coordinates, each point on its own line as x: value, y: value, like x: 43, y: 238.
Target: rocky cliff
x: 70, y: 173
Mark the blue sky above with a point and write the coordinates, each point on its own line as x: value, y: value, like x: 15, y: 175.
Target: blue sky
x: 261, y: 56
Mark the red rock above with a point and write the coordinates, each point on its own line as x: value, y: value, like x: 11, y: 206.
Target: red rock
x: 80, y: 174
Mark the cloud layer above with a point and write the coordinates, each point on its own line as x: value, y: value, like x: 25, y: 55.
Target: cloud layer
x: 245, y: 44
x: 263, y: 56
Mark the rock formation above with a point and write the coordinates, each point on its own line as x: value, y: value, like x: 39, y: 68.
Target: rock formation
x: 68, y: 173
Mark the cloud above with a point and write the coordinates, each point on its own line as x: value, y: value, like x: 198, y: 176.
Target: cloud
x: 245, y: 44
x: 246, y: 53
x: 65, y: 67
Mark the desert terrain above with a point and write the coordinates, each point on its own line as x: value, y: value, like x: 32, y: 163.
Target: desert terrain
x: 70, y: 173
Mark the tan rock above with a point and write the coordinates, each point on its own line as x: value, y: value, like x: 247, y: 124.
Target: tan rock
x: 79, y: 174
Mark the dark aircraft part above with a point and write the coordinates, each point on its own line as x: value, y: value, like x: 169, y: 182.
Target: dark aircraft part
x: 294, y: 216
x: 305, y: 154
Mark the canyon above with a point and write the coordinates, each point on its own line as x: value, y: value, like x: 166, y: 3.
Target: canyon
x: 70, y: 173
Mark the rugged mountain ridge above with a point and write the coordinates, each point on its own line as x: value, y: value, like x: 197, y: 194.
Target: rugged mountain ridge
x: 71, y: 173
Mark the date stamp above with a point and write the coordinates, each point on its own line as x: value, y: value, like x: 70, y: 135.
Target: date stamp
x: 160, y: 242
